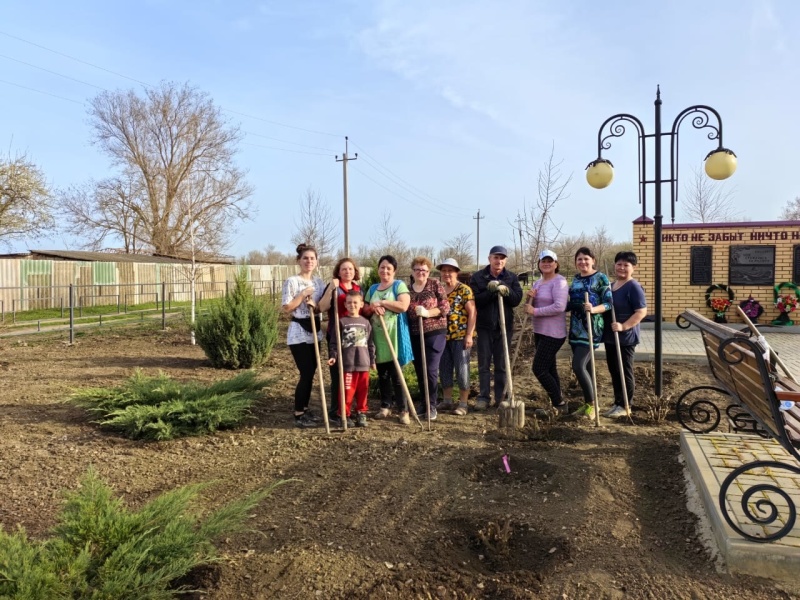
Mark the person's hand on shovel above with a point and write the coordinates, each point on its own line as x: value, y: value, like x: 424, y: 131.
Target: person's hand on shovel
x: 422, y: 312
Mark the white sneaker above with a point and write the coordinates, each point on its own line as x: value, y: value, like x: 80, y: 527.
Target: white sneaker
x: 616, y: 412
x: 607, y: 413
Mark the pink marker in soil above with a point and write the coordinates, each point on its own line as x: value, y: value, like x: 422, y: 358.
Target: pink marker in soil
x: 506, y: 463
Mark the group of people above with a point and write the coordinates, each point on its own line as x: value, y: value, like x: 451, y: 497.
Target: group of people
x: 434, y: 324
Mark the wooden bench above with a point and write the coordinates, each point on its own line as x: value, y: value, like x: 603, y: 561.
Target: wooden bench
x: 751, y: 392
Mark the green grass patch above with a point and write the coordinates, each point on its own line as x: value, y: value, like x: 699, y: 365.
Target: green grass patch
x: 100, y: 549
x: 160, y: 408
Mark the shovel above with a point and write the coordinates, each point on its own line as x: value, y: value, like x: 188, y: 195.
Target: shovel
x: 319, y: 370
x: 591, y: 354
x: 619, y: 364
x: 511, y: 413
x: 424, y: 371
x: 409, y: 401
x: 342, y: 393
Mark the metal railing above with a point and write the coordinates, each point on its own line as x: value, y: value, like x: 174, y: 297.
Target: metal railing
x: 54, y: 306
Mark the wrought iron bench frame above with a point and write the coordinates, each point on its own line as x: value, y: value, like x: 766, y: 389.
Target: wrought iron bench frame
x: 747, y: 385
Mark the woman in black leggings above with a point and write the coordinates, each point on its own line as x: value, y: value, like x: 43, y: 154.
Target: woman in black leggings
x: 587, y: 280
x: 301, y: 293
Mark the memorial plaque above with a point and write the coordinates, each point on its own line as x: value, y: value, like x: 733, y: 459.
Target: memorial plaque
x: 701, y: 265
x: 752, y: 265
x: 796, y: 265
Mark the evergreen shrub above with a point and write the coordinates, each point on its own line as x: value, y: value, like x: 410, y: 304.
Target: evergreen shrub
x: 100, y: 549
x: 160, y: 408
x: 240, y: 331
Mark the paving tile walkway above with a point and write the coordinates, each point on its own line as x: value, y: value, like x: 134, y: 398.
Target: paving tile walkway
x: 710, y: 458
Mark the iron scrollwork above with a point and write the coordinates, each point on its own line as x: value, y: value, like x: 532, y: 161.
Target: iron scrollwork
x: 743, y: 422
x: 679, y: 319
x: 767, y: 509
x: 702, y: 415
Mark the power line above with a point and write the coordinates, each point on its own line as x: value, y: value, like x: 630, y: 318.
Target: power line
x: 73, y: 58
x: 22, y: 62
x: 25, y: 87
x: 409, y: 200
x: 395, y: 178
x: 144, y: 83
x: 241, y: 114
x: 284, y: 149
x: 289, y: 142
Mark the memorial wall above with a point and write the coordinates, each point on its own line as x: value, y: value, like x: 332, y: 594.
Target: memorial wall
x: 750, y: 258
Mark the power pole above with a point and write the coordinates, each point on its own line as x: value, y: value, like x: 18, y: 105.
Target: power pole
x: 344, y: 160
x: 519, y: 221
x: 478, y: 244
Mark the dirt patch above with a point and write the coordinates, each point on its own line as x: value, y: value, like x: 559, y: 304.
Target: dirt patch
x: 382, y: 512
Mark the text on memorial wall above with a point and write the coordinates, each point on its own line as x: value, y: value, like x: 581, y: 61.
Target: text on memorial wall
x: 753, y: 236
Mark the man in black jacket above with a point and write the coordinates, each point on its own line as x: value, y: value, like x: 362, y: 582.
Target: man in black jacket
x: 486, y: 284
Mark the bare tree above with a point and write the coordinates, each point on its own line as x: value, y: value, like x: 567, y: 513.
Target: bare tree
x: 316, y: 226
x: 25, y: 200
x: 161, y: 140
x: 269, y: 256
x: 459, y: 247
x: 707, y: 201
x: 565, y: 247
x: 538, y: 228
x: 791, y: 212
x: 601, y: 243
x: 96, y: 210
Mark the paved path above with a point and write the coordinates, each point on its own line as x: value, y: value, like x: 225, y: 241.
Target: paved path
x: 683, y: 344
x: 710, y: 458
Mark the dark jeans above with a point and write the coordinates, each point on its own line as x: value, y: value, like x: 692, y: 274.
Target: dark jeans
x: 544, y: 365
x: 582, y: 367
x: 306, y: 360
x: 389, y: 385
x: 335, y: 400
x: 490, y: 350
x: 627, y: 366
x: 434, y: 348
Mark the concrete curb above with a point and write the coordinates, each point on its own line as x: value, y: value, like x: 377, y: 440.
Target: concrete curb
x: 770, y: 560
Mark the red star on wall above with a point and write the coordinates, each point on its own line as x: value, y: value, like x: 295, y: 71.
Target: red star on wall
x: 642, y: 239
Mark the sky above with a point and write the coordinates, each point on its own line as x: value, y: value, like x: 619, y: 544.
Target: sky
x: 452, y: 106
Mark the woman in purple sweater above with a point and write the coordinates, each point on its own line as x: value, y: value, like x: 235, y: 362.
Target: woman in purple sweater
x: 549, y: 294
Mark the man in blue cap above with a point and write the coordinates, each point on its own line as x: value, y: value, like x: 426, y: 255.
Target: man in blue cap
x: 487, y: 284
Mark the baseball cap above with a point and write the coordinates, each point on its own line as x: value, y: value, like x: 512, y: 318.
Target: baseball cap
x: 498, y: 250
x: 548, y: 254
x: 448, y: 262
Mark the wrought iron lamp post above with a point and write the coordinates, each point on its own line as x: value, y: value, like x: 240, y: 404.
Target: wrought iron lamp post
x: 719, y: 164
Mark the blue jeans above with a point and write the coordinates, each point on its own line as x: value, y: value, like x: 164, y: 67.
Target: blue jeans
x: 455, y: 357
x: 490, y: 350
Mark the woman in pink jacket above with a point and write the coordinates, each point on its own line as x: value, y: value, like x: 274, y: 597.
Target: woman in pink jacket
x: 549, y: 302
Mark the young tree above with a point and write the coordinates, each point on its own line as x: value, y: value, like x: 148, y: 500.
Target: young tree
x: 316, y: 226
x: 162, y: 139
x: 25, y: 200
x: 707, y: 201
x: 538, y: 228
x: 791, y: 212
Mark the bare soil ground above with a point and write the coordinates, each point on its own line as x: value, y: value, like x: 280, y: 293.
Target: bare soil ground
x: 383, y: 512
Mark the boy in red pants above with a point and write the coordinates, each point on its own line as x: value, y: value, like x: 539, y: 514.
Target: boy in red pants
x: 358, y: 357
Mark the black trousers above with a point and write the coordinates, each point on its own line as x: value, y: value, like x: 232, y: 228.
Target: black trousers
x: 306, y: 360
x: 627, y: 366
x: 390, y: 387
x: 544, y: 365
